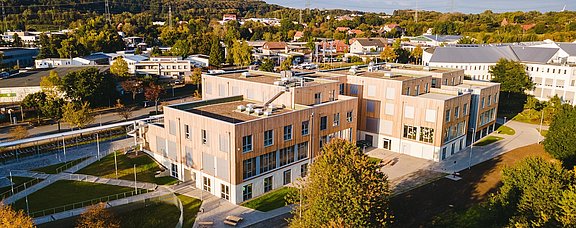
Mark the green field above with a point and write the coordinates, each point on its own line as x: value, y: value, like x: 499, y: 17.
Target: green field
x: 66, y: 192
x: 488, y: 140
x: 146, y: 168
x: 506, y: 130
x: 270, y: 201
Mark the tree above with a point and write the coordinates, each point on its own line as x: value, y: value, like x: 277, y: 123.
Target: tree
x: 560, y: 141
x: 119, y: 67
x: 155, y: 51
x: 88, y: 85
x: 132, y: 86
x: 388, y: 54
x: 241, y: 53
x: 511, y: 76
x: 181, y: 48
x: 18, y: 132
x: 196, y: 77
x: 49, y: 84
x: 467, y: 40
x: 216, y: 57
x: 267, y: 65
x: 52, y: 108
x: 123, y: 111
x: 97, y: 216
x: 34, y: 101
x: 344, y: 187
x: 416, y: 54
x: 14, y: 219
x: 286, y: 64
x: 153, y: 93
x: 77, y: 115
x: 17, y: 42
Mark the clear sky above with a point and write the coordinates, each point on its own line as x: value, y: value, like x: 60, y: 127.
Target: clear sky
x: 465, y: 6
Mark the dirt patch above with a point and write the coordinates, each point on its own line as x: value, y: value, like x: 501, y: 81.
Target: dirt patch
x: 418, y: 206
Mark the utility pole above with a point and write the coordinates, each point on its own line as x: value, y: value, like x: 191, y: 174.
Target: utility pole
x: 107, y: 11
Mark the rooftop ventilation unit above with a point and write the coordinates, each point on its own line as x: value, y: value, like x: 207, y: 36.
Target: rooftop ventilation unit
x: 241, y: 108
x: 426, y: 68
x: 249, y: 109
x: 245, y: 74
x: 388, y: 75
x: 259, y: 111
x: 251, y: 106
x: 268, y: 113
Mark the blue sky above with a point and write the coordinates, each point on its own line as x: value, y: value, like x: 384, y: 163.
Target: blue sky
x: 466, y: 6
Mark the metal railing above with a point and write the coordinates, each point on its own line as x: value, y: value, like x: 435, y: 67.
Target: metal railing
x: 87, y: 203
x: 70, y: 164
x: 19, y: 188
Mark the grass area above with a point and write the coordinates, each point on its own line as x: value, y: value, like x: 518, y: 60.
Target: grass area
x: 375, y: 160
x: 543, y: 132
x: 438, y: 197
x: 17, y: 181
x: 270, y: 201
x: 146, y: 168
x: 160, y: 214
x: 66, y: 192
x: 506, y: 130
x: 489, y: 139
x: 191, y: 206
x: 52, y: 169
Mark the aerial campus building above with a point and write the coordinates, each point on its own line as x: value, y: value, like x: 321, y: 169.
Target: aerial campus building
x: 257, y: 131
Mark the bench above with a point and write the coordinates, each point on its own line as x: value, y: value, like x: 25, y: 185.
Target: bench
x: 232, y: 223
x: 232, y: 220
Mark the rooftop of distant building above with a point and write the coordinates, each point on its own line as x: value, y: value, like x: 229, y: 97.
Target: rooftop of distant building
x: 271, y: 78
x: 33, y: 77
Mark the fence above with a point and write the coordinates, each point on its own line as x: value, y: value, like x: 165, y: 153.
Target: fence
x: 19, y: 188
x: 87, y: 203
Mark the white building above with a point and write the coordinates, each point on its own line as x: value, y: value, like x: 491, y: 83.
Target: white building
x: 168, y: 67
x: 55, y: 62
x: 368, y: 45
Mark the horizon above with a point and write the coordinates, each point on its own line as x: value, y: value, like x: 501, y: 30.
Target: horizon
x: 463, y: 6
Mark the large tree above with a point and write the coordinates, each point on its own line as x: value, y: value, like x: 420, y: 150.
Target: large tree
x: 388, y: 55
x: 267, y: 65
x: 216, y: 56
x: 343, y: 188
x: 19, y: 132
x: 97, y: 216
x: 88, y: 85
x: 241, y: 53
x: 34, y: 101
x: 560, y: 141
x: 132, y: 86
x: 10, y: 218
x: 153, y: 93
x: 512, y: 76
x: 119, y: 67
x: 77, y: 115
x: 49, y: 84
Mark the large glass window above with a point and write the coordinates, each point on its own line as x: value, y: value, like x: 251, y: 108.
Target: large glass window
x: 427, y: 134
x: 447, y: 115
x: 286, y: 156
x: 267, y: 162
x: 249, y: 167
x: 303, y: 170
x: 370, y: 106
x: 247, y: 192
x: 268, y: 137
x: 247, y: 143
x: 302, y: 150
x: 268, y: 184
x: 317, y: 98
x: 288, y: 132
x: 323, y: 122
x: 305, y: 127
x: 349, y: 116
x: 465, y: 109
x: 207, y: 184
x: 336, y: 119
x: 224, y: 191
x: 410, y: 132
x: 287, y: 177
x: 174, y: 170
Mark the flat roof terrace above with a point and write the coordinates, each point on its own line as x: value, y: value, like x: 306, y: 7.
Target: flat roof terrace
x: 226, y: 109
x: 262, y: 77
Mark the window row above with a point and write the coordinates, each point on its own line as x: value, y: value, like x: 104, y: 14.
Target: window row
x: 423, y: 134
x: 274, y: 159
x: 448, y: 115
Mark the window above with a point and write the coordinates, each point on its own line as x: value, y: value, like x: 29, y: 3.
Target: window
x: 302, y: 150
x: 287, y: 132
x: 249, y: 167
x: 172, y: 127
x: 370, y: 106
x: 336, y: 121
x: 267, y: 184
x: 247, y: 192
x: 408, y: 91
x: 426, y: 88
x: 341, y: 89
x: 186, y: 131
x: 287, y: 177
x: 354, y: 89
x: 317, y: 98
x: 207, y: 184
x: 305, y: 127
x: 349, y: 117
x: 489, y: 100
x: 267, y: 162
x: 447, y: 115
x: 174, y: 170
x: 204, y: 137
x: 465, y: 109
x: 483, y: 101
x: 224, y: 191
x: 457, y: 112
x: 323, y: 122
x: 427, y: 134
x: 286, y: 156
x: 303, y: 170
x: 387, y: 143
x: 410, y: 132
x: 247, y: 143
x: 268, y: 138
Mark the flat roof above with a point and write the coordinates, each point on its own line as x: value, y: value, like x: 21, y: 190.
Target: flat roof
x: 33, y: 77
x: 226, y: 109
x: 437, y: 96
x: 380, y: 74
x: 421, y: 68
x: 264, y: 78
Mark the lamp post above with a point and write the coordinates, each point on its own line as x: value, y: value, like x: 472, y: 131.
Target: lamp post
x: 504, y: 121
x: 64, y: 147
x: 11, y: 181
x: 115, y: 164
x: 471, y: 148
x: 98, y: 145
x: 541, y: 122
x: 135, y: 187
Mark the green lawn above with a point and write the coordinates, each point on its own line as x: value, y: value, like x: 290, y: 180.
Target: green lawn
x: 146, y: 168
x: 191, y: 207
x: 52, y: 168
x: 17, y: 181
x: 543, y: 132
x: 66, y: 192
x: 488, y: 140
x: 375, y: 160
x: 270, y: 201
x: 506, y: 130
x: 156, y: 215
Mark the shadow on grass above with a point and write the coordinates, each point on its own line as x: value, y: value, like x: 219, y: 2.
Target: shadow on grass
x: 270, y: 201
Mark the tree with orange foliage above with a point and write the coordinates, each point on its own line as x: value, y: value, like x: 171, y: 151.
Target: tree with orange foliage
x: 14, y: 219
x: 97, y: 216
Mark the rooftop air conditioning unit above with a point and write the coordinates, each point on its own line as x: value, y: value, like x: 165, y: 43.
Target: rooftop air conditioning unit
x: 279, y: 83
x: 250, y: 110
x: 426, y: 68
x: 241, y: 108
x: 388, y: 74
x: 250, y: 106
x: 245, y: 74
x: 259, y: 111
x: 268, y: 113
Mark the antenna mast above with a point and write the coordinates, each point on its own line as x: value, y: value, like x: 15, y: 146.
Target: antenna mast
x: 107, y: 11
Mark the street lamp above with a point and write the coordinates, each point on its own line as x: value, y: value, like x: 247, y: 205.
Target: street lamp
x: 98, y: 145
x: 541, y: 121
x: 471, y: 148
